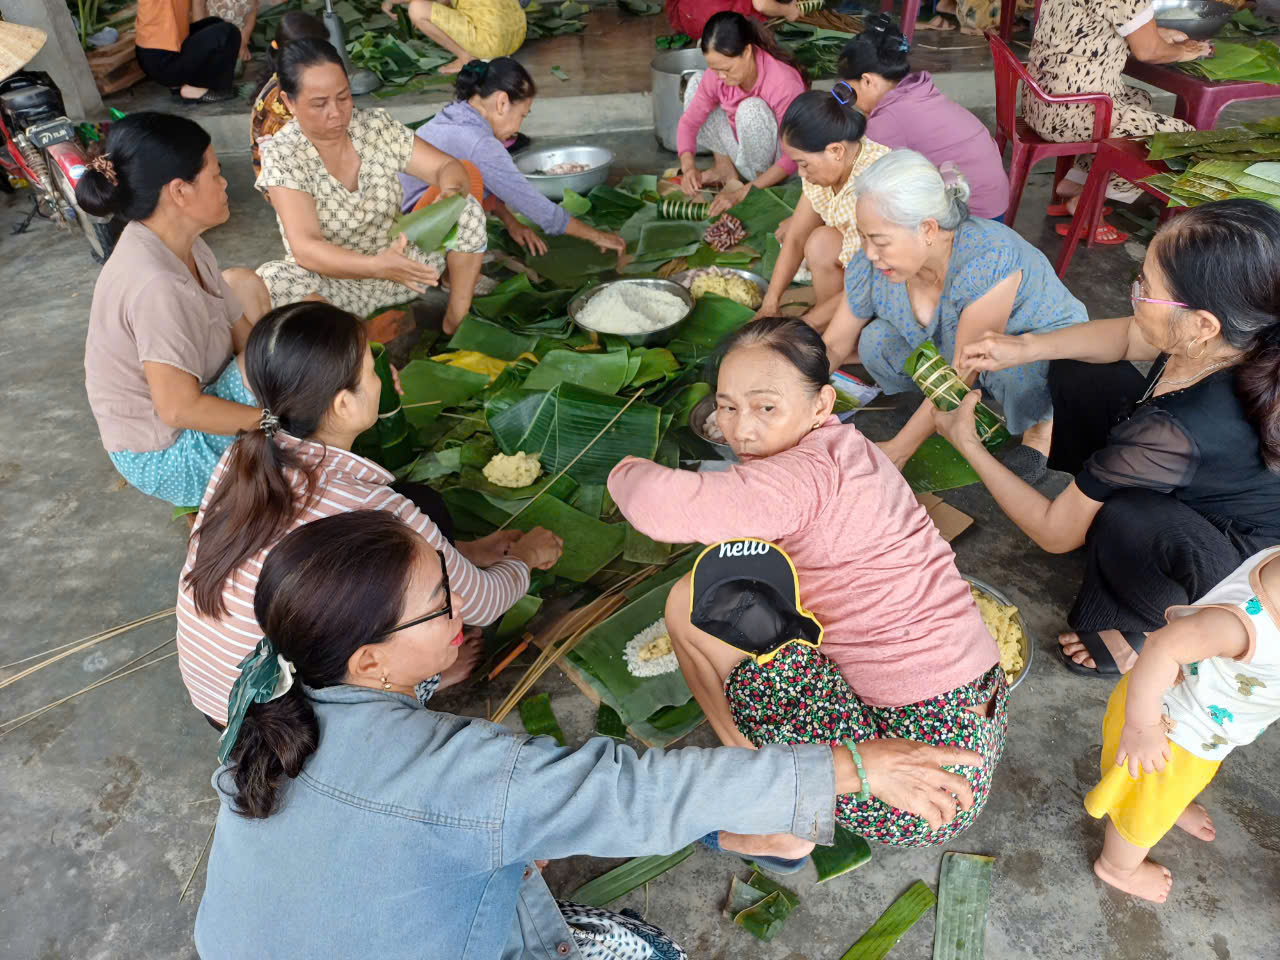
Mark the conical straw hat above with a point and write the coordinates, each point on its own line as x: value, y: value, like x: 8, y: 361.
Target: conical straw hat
x: 18, y: 44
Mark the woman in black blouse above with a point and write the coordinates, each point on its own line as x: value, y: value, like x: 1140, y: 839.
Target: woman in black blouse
x: 1177, y: 474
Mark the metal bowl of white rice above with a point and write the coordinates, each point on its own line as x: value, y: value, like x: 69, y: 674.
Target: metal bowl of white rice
x: 644, y: 312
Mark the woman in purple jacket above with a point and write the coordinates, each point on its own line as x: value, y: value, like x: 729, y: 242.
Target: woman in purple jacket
x: 492, y: 100
x: 906, y: 111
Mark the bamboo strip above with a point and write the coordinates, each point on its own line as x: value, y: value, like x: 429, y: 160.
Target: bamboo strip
x: 635, y: 396
x: 13, y: 724
x: 85, y: 644
x: 199, y: 860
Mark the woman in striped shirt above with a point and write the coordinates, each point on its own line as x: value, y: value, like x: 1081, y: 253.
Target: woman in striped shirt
x: 310, y: 365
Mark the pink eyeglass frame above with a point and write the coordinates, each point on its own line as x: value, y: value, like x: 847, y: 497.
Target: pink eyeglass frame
x: 1137, y: 289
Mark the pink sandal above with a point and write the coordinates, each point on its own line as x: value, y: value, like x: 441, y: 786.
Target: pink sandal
x: 1106, y: 234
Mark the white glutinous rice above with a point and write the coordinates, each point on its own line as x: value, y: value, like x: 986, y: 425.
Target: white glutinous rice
x: 649, y: 652
x: 630, y: 308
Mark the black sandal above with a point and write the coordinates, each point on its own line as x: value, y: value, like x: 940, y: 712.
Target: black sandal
x: 1105, y: 664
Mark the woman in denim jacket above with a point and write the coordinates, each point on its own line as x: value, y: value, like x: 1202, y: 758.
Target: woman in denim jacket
x: 357, y: 823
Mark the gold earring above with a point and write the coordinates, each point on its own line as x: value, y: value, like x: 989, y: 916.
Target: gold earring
x: 1203, y: 347
x: 385, y: 684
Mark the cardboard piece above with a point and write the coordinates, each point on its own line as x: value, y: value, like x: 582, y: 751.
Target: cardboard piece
x: 949, y: 521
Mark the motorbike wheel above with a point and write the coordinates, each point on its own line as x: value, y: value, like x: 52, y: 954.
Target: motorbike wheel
x: 101, y: 235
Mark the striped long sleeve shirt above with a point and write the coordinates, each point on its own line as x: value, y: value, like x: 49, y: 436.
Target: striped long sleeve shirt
x: 210, y: 649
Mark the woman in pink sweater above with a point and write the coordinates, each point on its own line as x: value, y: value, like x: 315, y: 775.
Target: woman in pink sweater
x: 899, y: 621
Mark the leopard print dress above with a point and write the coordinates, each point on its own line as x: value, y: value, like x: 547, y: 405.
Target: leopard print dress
x: 1080, y: 47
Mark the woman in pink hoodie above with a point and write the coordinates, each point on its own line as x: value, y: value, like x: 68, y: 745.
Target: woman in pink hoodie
x: 900, y: 625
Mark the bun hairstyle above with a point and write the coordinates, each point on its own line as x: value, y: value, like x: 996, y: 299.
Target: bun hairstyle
x: 294, y: 26
x: 790, y: 338
x: 327, y: 589
x: 502, y: 75
x: 292, y: 59
x: 145, y: 153
x: 298, y: 358
x: 880, y: 48
x: 909, y: 190
x: 817, y: 118
x: 1224, y: 257
x: 728, y: 34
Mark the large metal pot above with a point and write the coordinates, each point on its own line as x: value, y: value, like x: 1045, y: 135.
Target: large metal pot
x: 1198, y: 19
x: 670, y: 74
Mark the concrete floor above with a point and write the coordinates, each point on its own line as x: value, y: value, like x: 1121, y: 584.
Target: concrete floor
x: 104, y: 801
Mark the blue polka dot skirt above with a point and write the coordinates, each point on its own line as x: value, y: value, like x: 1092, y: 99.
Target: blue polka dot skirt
x: 179, y: 473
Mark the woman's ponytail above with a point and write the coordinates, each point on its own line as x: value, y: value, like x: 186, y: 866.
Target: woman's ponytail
x: 275, y: 740
x: 1258, y: 386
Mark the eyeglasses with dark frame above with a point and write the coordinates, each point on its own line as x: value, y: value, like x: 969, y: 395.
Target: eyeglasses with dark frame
x: 448, y: 604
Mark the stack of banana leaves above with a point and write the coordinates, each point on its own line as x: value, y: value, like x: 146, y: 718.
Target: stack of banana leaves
x: 816, y: 48
x: 405, y: 60
x: 518, y: 375
x: 1246, y: 23
x: 1254, y: 61
x: 1207, y: 165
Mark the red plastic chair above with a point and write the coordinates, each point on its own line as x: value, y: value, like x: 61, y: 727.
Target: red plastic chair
x: 910, y: 14
x: 1028, y: 147
x: 1008, y: 14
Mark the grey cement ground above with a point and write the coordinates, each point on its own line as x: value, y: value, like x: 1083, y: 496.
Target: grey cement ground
x: 103, y: 801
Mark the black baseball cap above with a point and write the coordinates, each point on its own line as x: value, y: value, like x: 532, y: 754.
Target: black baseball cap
x: 745, y: 592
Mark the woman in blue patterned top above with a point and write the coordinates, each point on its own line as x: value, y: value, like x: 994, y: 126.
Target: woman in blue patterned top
x: 930, y: 271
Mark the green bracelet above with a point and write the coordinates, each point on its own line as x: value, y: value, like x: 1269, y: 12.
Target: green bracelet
x: 864, y: 791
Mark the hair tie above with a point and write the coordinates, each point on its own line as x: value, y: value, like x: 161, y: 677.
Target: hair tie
x: 950, y: 175
x: 476, y: 68
x: 844, y: 101
x: 102, y: 163
x: 268, y: 423
x: 264, y: 676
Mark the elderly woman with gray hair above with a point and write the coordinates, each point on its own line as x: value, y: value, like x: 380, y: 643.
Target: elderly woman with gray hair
x: 930, y: 271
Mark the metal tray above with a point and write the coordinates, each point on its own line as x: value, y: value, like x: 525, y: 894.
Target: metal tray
x: 1027, y: 647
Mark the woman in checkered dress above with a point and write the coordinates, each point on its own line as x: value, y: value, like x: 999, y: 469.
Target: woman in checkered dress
x: 331, y: 176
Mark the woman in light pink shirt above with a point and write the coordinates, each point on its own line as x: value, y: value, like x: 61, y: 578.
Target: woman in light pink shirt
x: 914, y: 658
x: 311, y: 367
x: 734, y: 108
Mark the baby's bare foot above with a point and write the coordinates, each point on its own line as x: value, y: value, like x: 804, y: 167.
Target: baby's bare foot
x: 783, y: 845
x: 1197, y: 822
x: 1150, y: 880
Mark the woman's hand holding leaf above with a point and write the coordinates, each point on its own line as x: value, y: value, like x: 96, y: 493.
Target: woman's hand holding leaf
x: 392, y: 264
x: 527, y: 237
x: 539, y: 548
x: 690, y: 178
x: 909, y: 775
x: 727, y: 198
x: 609, y: 241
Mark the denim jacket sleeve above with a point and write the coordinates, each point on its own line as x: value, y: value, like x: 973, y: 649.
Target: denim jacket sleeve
x: 603, y: 799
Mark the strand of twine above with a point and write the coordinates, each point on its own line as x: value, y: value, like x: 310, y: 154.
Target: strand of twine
x: 635, y: 396
x: 199, y: 860
x: 78, y: 645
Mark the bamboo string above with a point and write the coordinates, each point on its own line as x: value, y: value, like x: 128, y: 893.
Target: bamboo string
x: 16, y: 722
x: 207, y: 844
x: 78, y: 645
x: 635, y: 396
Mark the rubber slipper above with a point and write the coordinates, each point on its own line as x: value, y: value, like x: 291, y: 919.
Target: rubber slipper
x: 1106, y: 234
x: 1060, y: 210
x: 772, y: 864
x: 1097, y: 648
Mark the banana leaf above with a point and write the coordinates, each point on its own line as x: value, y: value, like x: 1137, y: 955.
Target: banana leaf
x: 762, y: 881
x: 713, y: 318
x: 434, y: 465
x: 569, y: 262
x: 655, y: 363
x: 575, y: 203
x: 681, y: 403
x: 622, y: 880
x: 1165, y: 145
x: 515, y: 619
x: 427, y: 228
x: 589, y: 498
x: 964, y: 889
x: 760, y: 212
x: 602, y: 372
x: 425, y: 382
x: 1265, y: 126
x: 1237, y: 174
x: 491, y: 338
x: 609, y: 724
x: 848, y: 852
x: 1269, y: 171
x: 1244, y: 148
x: 764, y: 918
x: 611, y: 208
x: 518, y: 300
x: 563, y: 423
x: 638, y: 548
x: 893, y: 924
x: 670, y: 722
x: 474, y: 479
x: 639, y: 184
x: 589, y: 544
x: 601, y: 653
x: 631, y: 229
x: 390, y: 435
x: 941, y: 384
x: 660, y: 235
x: 538, y: 720
x: 707, y: 256
x: 938, y: 466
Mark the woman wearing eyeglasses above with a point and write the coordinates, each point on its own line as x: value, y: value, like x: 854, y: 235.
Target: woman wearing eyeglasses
x: 357, y: 822
x: 1177, y: 474
x: 312, y: 370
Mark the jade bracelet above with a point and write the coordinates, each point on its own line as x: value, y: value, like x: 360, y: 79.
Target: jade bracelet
x: 864, y: 791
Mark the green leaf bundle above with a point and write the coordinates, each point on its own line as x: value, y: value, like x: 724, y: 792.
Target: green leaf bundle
x: 940, y: 382
x: 429, y: 227
x: 538, y: 719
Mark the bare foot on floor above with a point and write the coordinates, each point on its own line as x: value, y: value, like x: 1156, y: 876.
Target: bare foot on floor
x: 1150, y: 881
x: 1197, y: 822
x: 783, y: 845
x: 1119, y: 647
x: 468, y: 657
x: 937, y: 23
x: 456, y: 66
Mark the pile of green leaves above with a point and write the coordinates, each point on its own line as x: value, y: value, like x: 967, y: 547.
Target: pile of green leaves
x: 817, y: 49
x: 1257, y: 61
x: 1246, y: 23
x: 1208, y: 165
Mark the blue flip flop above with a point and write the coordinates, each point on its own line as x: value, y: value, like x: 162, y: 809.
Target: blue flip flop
x: 772, y: 864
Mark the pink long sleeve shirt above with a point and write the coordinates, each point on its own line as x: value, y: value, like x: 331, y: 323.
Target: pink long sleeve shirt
x: 777, y: 84
x: 897, y: 616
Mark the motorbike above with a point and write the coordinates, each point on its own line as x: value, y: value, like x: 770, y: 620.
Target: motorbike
x: 41, y: 148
